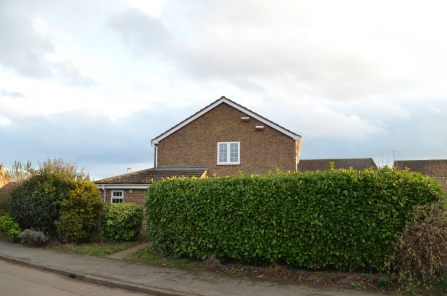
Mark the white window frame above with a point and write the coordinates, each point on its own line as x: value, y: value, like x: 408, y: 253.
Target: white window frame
x: 117, y: 197
x: 228, y: 162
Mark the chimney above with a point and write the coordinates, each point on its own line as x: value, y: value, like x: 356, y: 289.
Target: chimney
x: 2, y: 168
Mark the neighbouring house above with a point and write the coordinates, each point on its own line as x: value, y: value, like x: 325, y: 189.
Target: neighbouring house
x: 222, y: 139
x: 435, y: 168
x: 4, y: 179
x: 323, y: 164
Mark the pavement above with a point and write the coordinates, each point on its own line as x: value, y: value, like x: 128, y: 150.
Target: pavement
x: 127, y: 252
x: 152, y: 279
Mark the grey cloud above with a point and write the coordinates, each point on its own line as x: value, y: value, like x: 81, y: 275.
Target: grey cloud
x: 71, y: 75
x: 141, y: 33
x: 6, y: 93
x: 87, y: 135
x: 249, y: 44
x: 22, y: 48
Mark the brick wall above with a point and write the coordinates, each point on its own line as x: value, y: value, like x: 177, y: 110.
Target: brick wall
x: 130, y: 195
x: 260, y: 151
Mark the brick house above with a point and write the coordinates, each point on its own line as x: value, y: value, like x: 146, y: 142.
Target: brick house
x: 222, y: 139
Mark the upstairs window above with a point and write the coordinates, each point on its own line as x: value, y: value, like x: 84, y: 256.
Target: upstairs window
x: 228, y: 153
x: 117, y: 196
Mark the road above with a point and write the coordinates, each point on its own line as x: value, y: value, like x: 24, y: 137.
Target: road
x: 21, y: 280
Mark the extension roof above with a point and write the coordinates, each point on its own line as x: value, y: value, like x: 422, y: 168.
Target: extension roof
x: 431, y: 167
x: 146, y: 177
x: 323, y: 164
x: 224, y: 100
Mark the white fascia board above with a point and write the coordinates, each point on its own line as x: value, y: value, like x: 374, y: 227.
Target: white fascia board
x: 122, y: 186
x: 278, y: 128
x: 217, y: 103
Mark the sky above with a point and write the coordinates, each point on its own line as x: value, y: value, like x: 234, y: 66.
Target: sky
x: 94, y: 81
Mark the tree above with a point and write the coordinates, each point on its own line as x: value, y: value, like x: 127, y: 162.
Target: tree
x: 11, y: 178
x: 36, y: 201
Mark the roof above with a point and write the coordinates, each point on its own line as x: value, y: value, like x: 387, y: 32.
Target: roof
x: 323, y: 164
x: 224, y: 100
x: 147, y: 176
x: 431, y: 167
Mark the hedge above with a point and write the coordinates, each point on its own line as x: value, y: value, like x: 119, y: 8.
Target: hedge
x: 336, y: 218
x: 122, y: 221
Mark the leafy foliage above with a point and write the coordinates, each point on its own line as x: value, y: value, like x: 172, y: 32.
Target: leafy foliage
x: 340, y: 218
x: 35, y: 203
x: 34, y: 237
x: 11, y: 228
x: 4, y: 200
x: 122, y: 221
x: 420, y: 252
x: 79, y: 213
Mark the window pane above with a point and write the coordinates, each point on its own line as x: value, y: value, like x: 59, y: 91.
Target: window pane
x: 234, y: 152
x: 223, y: 152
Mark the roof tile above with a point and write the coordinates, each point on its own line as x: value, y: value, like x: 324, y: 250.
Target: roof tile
x: 323, y: 164
x: 432, y: 167
x: 149, y: 175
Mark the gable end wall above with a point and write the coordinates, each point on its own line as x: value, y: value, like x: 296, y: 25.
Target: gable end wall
x: 260, y: 151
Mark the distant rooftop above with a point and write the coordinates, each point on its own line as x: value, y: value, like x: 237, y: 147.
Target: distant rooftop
x: 346, y: 163
x: 149, y: 175
x: 431, y: 167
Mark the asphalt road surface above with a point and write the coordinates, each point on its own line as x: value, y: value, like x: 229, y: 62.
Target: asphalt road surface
x: 19, y: 280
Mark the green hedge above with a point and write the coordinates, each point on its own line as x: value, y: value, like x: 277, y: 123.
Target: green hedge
x: 338, y: 218
x: 122, y: 221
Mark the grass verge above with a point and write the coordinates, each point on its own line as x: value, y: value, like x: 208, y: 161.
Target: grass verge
x: 374, y: 282
x: 361, y: 281
x: 150, y: 256
x: 98, y: 249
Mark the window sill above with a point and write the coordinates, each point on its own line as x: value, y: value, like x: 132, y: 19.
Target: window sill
x: 228, y: 163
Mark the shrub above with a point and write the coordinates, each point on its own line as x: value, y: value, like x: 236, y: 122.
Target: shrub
x: 34, y: 237
x: 122, y: 221
x: 420, y: 252
x: 35, y: 203
x: 4, y: 201
x: 79, y: 213
x: 340, y: 218
x: 11, y: 228
x: 3, y: 218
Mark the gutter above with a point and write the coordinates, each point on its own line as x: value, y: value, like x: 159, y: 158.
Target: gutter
x: 105, y: 192
x: 156, y: 154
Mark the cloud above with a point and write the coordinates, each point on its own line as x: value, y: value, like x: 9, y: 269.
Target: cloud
x: 245, y: 44
x: 28, y: 50
x: 23, y: 49
x: 141, y: 33
x: 71, y: 75
x: 6, y: 93
x: 86, y: 135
